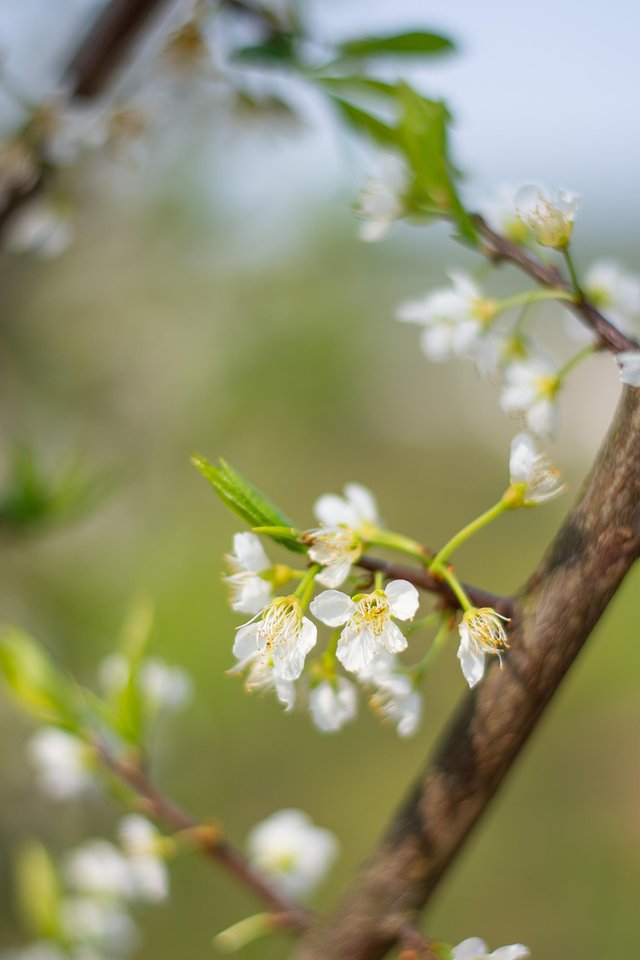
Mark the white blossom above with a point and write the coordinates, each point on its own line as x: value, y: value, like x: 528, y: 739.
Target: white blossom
x: 381, y: 200
x: 141, y: 843
x: 533, y: 475
x: 332, y: 704
x: 630, y: 367
x: 454, y: 319
x: 357, y: 509
x: 282, y: 636
x: 337, y: 544
x: 250, y: 592
x: 368, y: 622
x: 40, y: 227
x: 550, y: 219
x: 63, y: 763
x: 476, y: 949
x: 395, y: 698
x: 613, y: 290
x: 530, y: 388
x: 163, y: 686
x: 291, y: 851
x: 260, y: 675
x: 481, y: 632
x: 101, y: 924
x: 499, y: 211
x: 99, y: 868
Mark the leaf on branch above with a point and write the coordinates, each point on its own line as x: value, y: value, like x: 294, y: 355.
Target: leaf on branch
x: 364, y: 122
x: 38, y: 891
x: 35, y: 680
x: 412, y: 43
x: 245, y: 500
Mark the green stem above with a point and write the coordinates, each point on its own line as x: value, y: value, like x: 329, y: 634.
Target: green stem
x: 378, y: 580
x: 456, y: 587
x: 532, y: 296
x: 568, y: 259
x: 306, y: 585
x: 459, y: 538
x: 574, y: 361
x: 396, y: 541
x: 439, y: 642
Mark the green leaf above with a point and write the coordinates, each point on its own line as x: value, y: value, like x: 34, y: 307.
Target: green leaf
x: 423, y: 136
x: 413, y: 43
x: 364, y: 122
x: 38, y: 891
x: 278, y: 49
x: 36, y: 681
x: 244, y: 499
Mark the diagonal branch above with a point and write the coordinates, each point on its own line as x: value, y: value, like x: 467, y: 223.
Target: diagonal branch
x: 287, y: 913
x: 428, y: 581
x: 497, y: 248
x: 559, y: 607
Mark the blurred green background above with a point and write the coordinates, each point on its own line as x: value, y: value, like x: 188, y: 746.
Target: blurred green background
x: 169, y: 328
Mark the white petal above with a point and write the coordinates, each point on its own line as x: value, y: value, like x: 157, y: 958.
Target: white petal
x: 334, y: 573
x: 250, y: 552
x: 515, y: 951
x: 356, y: 648
x: 522, y: 459
x: 393, y: 638
x: 472, y: 663
x: 289, y: 657
x: 333, y: 706
x: 246, y: 642
x: 403, y: 599
x: 332, y: 607
x: 472, y: 949
x: 542, y: 417
x: 630, y: 368
x: 362, y: 501
x: 285, y: 692
x: 332, y: 510
x: 437, y: 342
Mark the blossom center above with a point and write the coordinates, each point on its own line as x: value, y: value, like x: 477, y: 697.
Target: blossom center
x: 281, y: 623
x: 372, y: 612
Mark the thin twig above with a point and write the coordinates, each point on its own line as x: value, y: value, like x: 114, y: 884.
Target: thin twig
x: 428, y: 581
x: 497, y: 248
x: 209, y: 840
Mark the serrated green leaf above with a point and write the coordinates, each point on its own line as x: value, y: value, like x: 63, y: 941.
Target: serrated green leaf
x: 36, y: 681
x: 244, y: 499
x: 364, y: 122
x: 412, y: 43
x: 38, y: 891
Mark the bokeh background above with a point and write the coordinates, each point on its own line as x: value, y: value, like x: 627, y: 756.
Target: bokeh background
x: 217, y: 298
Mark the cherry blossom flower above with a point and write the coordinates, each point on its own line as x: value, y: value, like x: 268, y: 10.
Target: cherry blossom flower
x: 368, y: 622
x: 395, y: 698
x: 550, y: 219
x: 39, y: 227
x: 291, y: 851
x: 281, y: 636
x: 534, y: 479
x: 381, y: 200
x: 481, y: 632
x: 142, y: 844
x: 630, y: 367
x: 332, y: 704
x: 260, y: 674
x: 454, y: 318
x: 250, y: 592
x: 530, y: 389
x: 163, y: 687
x: 476, y: 949
x: 613, y: 290
x: 357, y: 509
x: 338, y: 543
x: 63, y: 763
x: 102, y: 926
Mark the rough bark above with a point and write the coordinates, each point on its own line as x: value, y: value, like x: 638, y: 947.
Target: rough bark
x: 558, y: 609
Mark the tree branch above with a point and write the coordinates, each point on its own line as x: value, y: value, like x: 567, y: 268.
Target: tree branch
x: 288, y: 913
x: 497, y: 247
x: 428, y: 581
x: 558, y: 608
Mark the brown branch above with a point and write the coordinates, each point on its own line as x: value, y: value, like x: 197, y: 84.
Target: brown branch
x: 559, y: 608
x: 498, y: 248
x: 428, y: 581
x: 287, y: 913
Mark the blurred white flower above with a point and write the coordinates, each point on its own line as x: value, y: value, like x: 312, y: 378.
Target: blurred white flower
x: 39, y: 950
x: 476, y: 949
x: 99, y: 869
x: 481, y: 632
x: 336, y: 549
x: 395, y: 698
x: 532, y: 473
x: 142, y: 846
x: 630, y: 367
x: 368, y: 624
x: 291, y: 851
x: 39, y: 227
x: 105, y: 926
x: 454, y: 318
x: 381, y: 200
x: 250, y: 592
x: 332, y: 704
x: 499, y: 211
x: 165, y: 687
x: 357, y: 509
x: 530, y: 389
x: 614, y: 291
x: 282, y: 636
x: 550, y: 219
x: 259, y: 672
x: 62, y: 762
